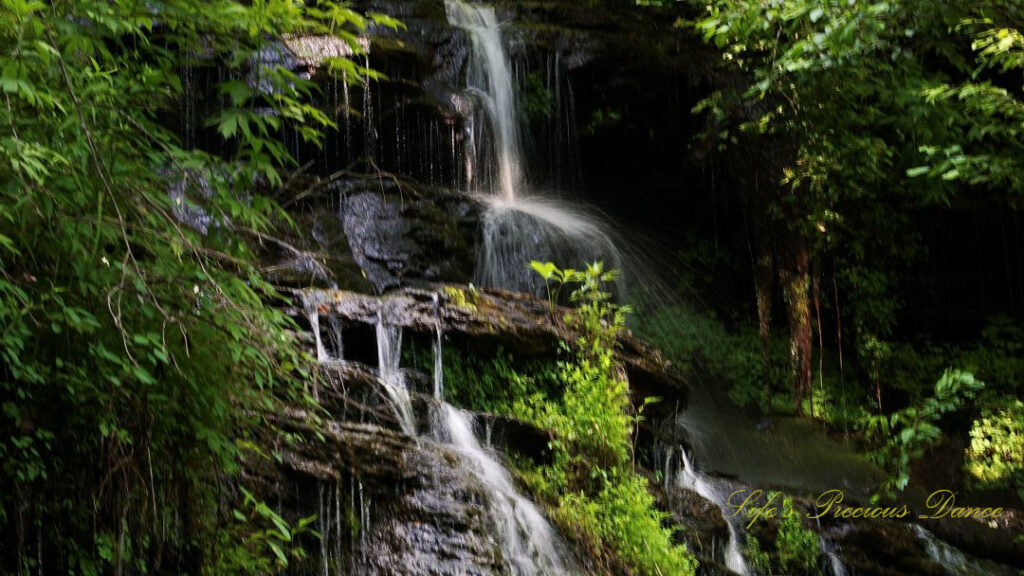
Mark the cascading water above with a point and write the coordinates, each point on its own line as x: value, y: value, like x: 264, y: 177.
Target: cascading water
x: 490, y: 81
x: 517, y: 226
x: 691, y: 479
x: 389, y: 354
x: 955, y: 562
x: 529, y: 544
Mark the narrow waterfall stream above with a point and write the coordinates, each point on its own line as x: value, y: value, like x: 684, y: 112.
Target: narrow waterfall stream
x: 389, y: 356
x: 691, y: 479
x: 529, y: 543
x: 954, y: 561
x: 310, y: 303
x: 438, y: 350
x: 490, y: 80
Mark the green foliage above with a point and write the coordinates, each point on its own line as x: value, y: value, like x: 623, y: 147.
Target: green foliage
x: 601, y: 119
x: 137, y: 348
x: 623, y: 514
x: 555, y: 279
x: 585, y: 403
x: 995, y: 458
x: 915, y: 428
x: 460, y: 298
x: 494, y: 384
x: 700, y: 344
x: 880, y: 112
x: 758, y: 560
x: 797, y: 546
x: 259, y: 541
x: 535, y: 99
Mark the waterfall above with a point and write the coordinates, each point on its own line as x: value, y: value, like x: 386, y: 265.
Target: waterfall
x: 489, y: 79
x: 529, y: 544
x: 518, y: 226
x: 955, y: 562
x: 389, y: 355
x: 691, y: 478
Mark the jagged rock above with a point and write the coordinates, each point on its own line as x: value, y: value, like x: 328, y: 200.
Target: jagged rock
x: 402, y: 234
x: 417, y: 512
x: 481, y: 322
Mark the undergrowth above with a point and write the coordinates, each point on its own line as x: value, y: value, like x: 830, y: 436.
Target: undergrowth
x: 590, y: 485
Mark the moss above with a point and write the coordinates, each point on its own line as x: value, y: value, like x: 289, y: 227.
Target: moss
x: 461, y: 299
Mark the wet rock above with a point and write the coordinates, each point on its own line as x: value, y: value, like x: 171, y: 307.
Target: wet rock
x: 401, y: 234
x: 705, y: 531
x: 482, y: 322
x: 413, y: 509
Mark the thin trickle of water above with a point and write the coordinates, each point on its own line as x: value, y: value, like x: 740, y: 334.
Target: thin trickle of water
x: 311, y: 301
x: 364, y: 519
x: 692, y: 479
x: 438, y: 350
x: 668, y: 467
x: 352, y: 506
x: 346, y: 117
x: 324, y: 517
x: 528, y: 541
x: 337, y: 351
x: 338, y: 542
x: 389, y: 355
x: 369, y: 128
x: 835, y: 563
x: 188, y: 98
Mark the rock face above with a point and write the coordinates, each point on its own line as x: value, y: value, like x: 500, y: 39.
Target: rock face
x: 374, y: 233
x: 484, y: 321
x: 386, y: 503
x: 404, y: 235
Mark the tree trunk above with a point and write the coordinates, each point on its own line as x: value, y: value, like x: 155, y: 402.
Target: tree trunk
x: 795, y: 279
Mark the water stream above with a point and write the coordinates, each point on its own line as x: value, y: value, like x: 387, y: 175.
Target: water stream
x: 529, y: 543
x: 519, y: 224
x: 438, y: 350
x: 690, y: 478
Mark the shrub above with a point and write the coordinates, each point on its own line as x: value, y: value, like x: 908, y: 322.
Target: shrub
x: 797, y: 546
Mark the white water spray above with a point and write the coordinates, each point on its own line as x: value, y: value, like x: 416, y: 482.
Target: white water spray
x: 529, y: 543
